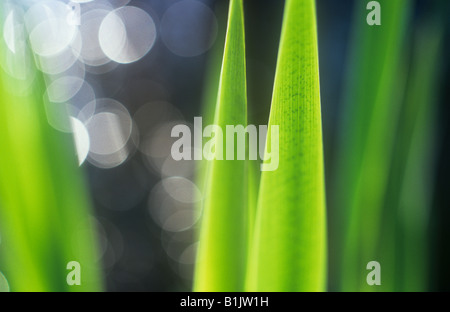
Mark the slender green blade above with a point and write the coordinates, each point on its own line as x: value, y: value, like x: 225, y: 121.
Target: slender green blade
x: 45, y: 218
x: 223, y: 238
x: 412, y: 182
x: 374, y: 91
x: 289, y: 246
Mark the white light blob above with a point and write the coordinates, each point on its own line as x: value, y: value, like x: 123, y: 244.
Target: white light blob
x: 52, y: 36
x: 127, y: 34
x: 112, y: 133
x: 91, y: 52
x: 108, y: 135
x: 58, y: 63
x: 110, y: 128
x: 81, y: 137
x: 64, y: 88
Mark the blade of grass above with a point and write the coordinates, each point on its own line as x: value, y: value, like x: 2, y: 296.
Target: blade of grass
x: 372, y: 103
x: 221, y: 256
x: 44, y: 207
x: 413, y: 159
x: 289, y: 250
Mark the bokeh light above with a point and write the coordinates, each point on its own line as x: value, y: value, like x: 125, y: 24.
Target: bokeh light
x: 127, y: 34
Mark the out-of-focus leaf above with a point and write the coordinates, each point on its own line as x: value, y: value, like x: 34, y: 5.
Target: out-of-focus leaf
x: 374, y: 92
x: 45, y: 218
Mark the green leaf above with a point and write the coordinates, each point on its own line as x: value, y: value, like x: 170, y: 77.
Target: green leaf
x: 289, y: 246
x: 222, y: 251
x: 373, y: 97
x: 409, y: 195
x: 44, y: 207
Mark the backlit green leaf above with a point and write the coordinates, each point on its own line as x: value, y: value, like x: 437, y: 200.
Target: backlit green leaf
x: 223, y: 237
x: 289, y: 246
